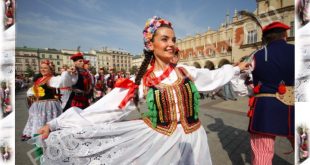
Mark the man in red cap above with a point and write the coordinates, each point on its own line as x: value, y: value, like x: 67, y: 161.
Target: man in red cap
x: 87, y: 67
x: 83, y: 86
x: 100, y: 86
x: 111, y: 80
x: 272, y: 107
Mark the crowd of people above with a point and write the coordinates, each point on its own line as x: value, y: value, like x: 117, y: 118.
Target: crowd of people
x: 86, y: 110
x: 51, y: 94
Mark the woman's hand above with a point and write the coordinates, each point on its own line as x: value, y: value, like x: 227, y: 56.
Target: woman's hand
x: 72, y: 70
x: 44, y: 131
x: 243, y: 66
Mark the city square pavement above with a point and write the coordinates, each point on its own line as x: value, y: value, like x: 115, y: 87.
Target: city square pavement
x: 225, y: 123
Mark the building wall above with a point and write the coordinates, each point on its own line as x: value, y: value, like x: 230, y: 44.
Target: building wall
x: 137, y: 60
x: 32, y: 57
x: 25, y: 57
x: 237, y: 38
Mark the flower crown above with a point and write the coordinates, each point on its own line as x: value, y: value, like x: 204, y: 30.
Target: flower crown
x: 49, y: 63
x: 151, y: 26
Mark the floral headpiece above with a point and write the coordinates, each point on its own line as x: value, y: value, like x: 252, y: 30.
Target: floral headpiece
x: 49, y: 63
x: 151, y: 26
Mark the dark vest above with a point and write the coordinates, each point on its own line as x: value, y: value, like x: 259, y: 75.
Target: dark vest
x: 79, y: 96
x: 84, y: 80
x: 50, y: 92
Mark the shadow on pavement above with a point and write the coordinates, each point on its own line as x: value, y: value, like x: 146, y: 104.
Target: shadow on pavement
x: 236, y: 142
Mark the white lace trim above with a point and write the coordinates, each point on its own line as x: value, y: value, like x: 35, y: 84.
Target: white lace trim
x: 82, y: 146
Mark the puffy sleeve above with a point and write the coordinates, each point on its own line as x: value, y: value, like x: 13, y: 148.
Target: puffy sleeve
x: 63, y: 80
x: 30, y: 92
x: 105, y: 110
x: 208, y: 80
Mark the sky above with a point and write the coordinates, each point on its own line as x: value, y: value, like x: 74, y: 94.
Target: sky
x: 116, y: 24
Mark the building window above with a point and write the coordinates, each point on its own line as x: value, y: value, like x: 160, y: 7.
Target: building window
x: 43, y: 55
x: 292, y: 29
x: 51, y: 56
x: 222, y: 49
x: 199, y: 53
x: 252, y: 37
x: 211, y: 52
x: 57, y: 56
x: 58, y: 63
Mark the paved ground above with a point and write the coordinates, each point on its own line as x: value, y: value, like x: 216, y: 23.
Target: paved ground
x: 225, y: 123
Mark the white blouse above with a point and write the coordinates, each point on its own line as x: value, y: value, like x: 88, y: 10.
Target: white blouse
x: 63, y: 80
x: 106, y: 109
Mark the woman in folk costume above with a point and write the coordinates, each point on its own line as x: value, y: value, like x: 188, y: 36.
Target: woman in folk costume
x: 169, y: 133
x: 45, y: 100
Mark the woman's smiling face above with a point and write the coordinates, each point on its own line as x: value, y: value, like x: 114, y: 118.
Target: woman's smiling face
x: 163, y: 44
x: 45, y: 70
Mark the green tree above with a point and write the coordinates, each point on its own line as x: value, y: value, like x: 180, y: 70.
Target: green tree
x: 29, y: 71
x: 133, y: 69
x: 92, y: 69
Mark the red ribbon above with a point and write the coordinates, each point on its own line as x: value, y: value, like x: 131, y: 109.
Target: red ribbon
x: 251, y: 101
x: 39, y: 82
x: 250, y: 113
x: 128, y: 84
x: 65, y: 88
x: 148, y: 81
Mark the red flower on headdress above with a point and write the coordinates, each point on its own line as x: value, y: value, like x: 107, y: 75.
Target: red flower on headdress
x: 282, y: 88
x: 47, y: 62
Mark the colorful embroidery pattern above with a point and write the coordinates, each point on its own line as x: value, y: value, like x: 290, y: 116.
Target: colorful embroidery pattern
x: 161, y: 99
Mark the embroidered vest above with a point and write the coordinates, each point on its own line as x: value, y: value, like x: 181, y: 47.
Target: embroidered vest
x: 162, y: 114
x: 84, y: 81
x: 46, y: 92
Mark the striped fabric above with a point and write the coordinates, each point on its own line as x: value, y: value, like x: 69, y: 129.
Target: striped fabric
x: 262, y: 149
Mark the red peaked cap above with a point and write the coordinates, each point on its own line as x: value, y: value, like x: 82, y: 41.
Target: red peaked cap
x: 275, y: 25
x: 86, y: 61
x: 77, y: 56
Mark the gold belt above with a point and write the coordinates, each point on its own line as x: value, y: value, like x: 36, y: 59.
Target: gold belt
x: 288, y: 98
x: 265, y: 95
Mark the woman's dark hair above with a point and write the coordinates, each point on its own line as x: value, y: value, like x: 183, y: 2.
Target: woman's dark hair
x: 36, y: 77
x: 148, y: 57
